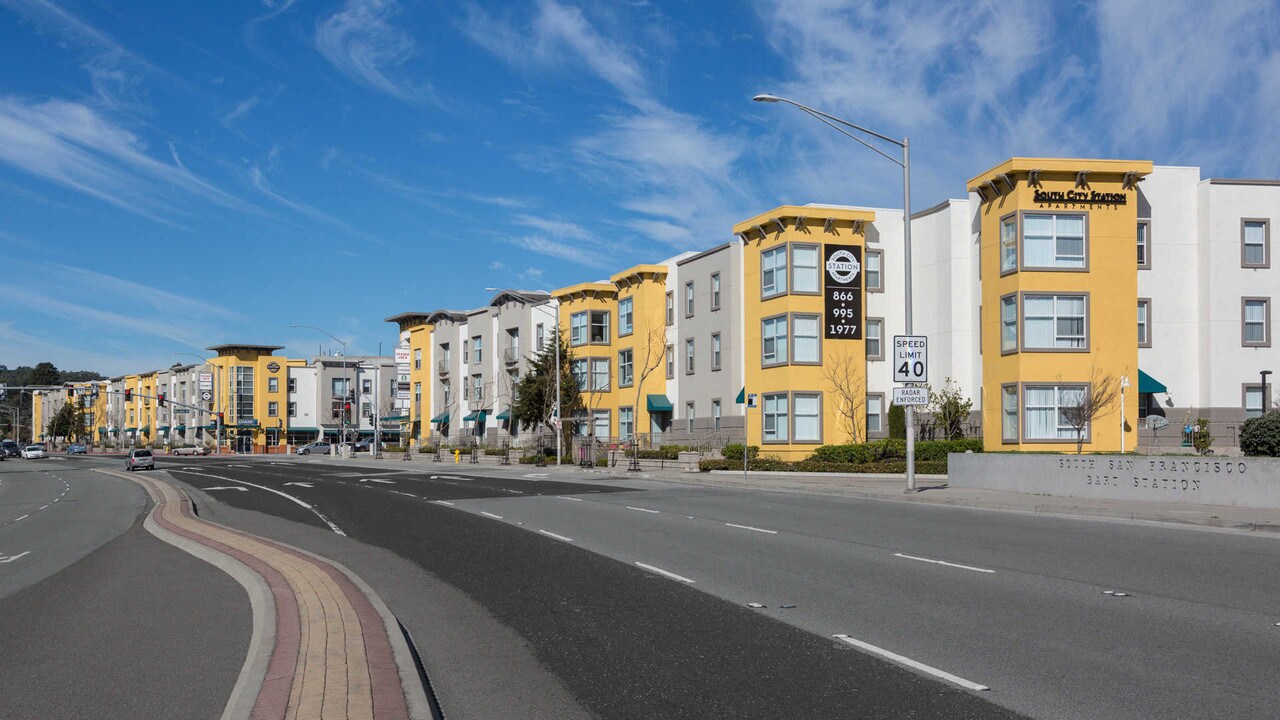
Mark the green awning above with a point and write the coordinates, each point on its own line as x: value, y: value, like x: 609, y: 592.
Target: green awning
x: 395, y: 418
x: 303, y: 430
x: 102, y: 431
x: 659, y: 403
x: 163, y: 428
x: 180, y: 428
x: 742, y: 396
x: 145, y: 429
x: 210, y: 426
x: 504, y: 415
x: 441, y: 418
x: 332, y: 431
x: 1148, y: 384
x: 129, y: 430
x: 477, y: 416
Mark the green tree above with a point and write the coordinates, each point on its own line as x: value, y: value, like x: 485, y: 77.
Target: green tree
x: 44, y: 373
x: 536, y: 392
x: 897, y: 422
x: 67, y: 423
x: 950, y: 410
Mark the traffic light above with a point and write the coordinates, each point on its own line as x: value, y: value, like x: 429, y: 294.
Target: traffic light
x: 128, y: 395
x: 219, y: 418
x: 160, y: 399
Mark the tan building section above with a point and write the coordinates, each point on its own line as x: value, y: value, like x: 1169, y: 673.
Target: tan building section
x: 811, y: 387
x: 1059, y: 299
x: 252, y: 405
x: 417, y: 329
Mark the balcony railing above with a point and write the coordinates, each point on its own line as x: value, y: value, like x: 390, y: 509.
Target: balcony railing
x: 511, y: 355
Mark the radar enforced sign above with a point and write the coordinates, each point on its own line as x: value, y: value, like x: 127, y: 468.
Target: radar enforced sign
x: 843, y: 292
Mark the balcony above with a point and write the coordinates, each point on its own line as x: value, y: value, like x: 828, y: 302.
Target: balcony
x: 511, y: 355
x: 442, y: 367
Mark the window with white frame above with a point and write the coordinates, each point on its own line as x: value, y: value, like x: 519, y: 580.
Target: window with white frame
x: 806, y: 410
x: 715, y: 291
x: 578, y: 328
x: 804, y: 269
x: 688, y: 357
x: 578, y: 368
x: 1144, y: 244
x: 1253, y: 236
x: 1255, y: 322
x: 871, y: 270
x: 875, y: 413
x: 477, y: 388
x: 540, y: 336
x: 626, y: 423
x: 775, y: 417
x: 805, y: 345
x: 626, y: 367
x: 1008, y: 245
x: 715, y: 351
x: 477, y: 349
x: 1045, y: 410
x: 1053, y: 240
x: 1253, y: 401
x: 715, y: 415
x: 366, y: 386
x: 444, y: 353
x: 273, y: 409
x: 446, y: 392
x: 600, y: 424
x: 875, y: 339
x: 688, y: 417
x: 626, y: 316
x: 417, y: 392
x: 273, y: 385
x: 599, y: 330
x: 773, y: 271
x: 417, y: 359
x: 1009, y: 413
x: 1009, y: 323
x: 292, y: 409
x: 688, y: 299
x: 599, y: 374
x: 292, y: 386
x: 1144, y: 322
x: 1051, y: 322
x: 671, y: 309
x: 773, y: 340
x: 671, y: 362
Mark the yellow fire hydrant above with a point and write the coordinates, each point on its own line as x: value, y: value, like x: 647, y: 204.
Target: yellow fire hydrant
x: 457, y: 455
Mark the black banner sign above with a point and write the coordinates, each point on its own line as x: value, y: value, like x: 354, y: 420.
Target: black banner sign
x: 842, y: 292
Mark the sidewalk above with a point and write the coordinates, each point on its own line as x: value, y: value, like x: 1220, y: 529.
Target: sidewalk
x: 323, y: 644
x: 932, y: 489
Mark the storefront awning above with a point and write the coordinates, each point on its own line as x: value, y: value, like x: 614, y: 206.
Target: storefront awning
x: 102, y: 431
x: 742, y: 396
x: 303, y: 430
x: 145, y: 429
x: 504, y: 415
x: 659, y: 403
x: 395, y: 418
x: 1148, y: 384
x: 180, y: 428
x: 441, y: 418
x: 163, y: 428
x: 477, y: 416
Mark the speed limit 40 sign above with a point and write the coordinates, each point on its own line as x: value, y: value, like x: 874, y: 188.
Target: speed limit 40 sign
x: 910, y: 359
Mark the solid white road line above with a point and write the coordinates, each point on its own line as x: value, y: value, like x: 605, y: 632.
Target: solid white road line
x: 664, y: 573
x: 489, y: 514
x: 558, y: 537
x: 565, y: 497
x: 287, y: 496
x: 748, y: 527
x: 404, y: 493
x: 630, y: 507
x: 944, y: 562
x: 377, y: 480
x: 443, y: 502
x: 912, y: 663
x: 24, y: 517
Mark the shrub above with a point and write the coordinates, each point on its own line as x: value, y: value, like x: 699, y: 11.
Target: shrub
x: 1261, y: 435
x: 733, y: 451
x: 893, y: 449
x: 897, y: 422
x: 926, y: 467
x: 494, y: 451
x: 1201, y: 439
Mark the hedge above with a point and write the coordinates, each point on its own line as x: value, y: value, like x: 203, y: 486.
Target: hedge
x: 1261, y: 435
x: 893, y: 449
x: 733, y: 451
x: 925, y: 467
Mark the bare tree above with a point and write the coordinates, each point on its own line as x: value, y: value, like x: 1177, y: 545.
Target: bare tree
x: 1090, y: 402
x: 842, y: 373
x: 642, y: 366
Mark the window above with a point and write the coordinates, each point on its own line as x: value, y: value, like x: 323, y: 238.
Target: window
x: 1009, y: 413
x: 243, y: 394
x: 466, y: 351
x: 1144, y: 244
x: 715, y: 351
x: 540, y: 336
x: 773, y: 272
x: 773, y: 340
x: 875, y: 413
x: 444, y: 354
x: 366, y: 410
x: 578, y: 329
x: 671, y: 309
x: 292, y: 409
x: 671, y: 362
x: 417, y: 358
x: 292, y: 385
x: 1009, y: 323
x: 688, y: 356
x: 477, y: 349
x: 1255, y: 322
x: 688, y: 417
x: 513, y: 345
x: 804, y: 269
x: 1053, y: 241
x: 715, y: 291
x: 477, y: 388
x: 626, y: 316
x: 775, y: 418
x: 599, y: 327
x: 273, y: 385
x: 872, y: 262
x: 445, y: 392
x: 715, y: 415
x: 626, y: 368
x: 626, y: 423
x: 600, y: 424
x: 580, y: 425
x: 1052, y: 322
x: 1044, y: 411
x: 1144, y: 322
x: 806, y: 417
x: 578, y: 368
x: 366, y: 386
x: 805, y: 346
x: 1008, y: 245
x: 1253, y: 401
x: 688, y: 299
x: 875, y: 338
x: 417, y: 392
x: 599, y: 374
x: 1255, y: 237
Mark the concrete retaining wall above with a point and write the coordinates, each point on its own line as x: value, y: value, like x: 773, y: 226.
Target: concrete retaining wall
x: 1239, y: 482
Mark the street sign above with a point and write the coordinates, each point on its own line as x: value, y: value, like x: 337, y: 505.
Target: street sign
x: 402, y: 394
x: 206, y: 395
x: 910, y: 358
x: 206, y: 381
x: 402, y: 356
x: 914, y: 395
x: 751, y: 400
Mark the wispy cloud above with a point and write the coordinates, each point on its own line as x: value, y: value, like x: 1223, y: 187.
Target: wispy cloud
x: 243, y: 108
x: 95, y: 319
x: 412, y: 191
x: 579, y: 253
x: 102, y: 286
x: 258, y: 178
x: 559, y: 228
x: 365, y: 43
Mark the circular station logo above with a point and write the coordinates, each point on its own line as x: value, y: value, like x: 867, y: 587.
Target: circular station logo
x: 273, y: 366
x: 843, y: 266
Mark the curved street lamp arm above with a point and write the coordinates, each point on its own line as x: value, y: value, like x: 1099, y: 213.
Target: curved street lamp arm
x: 851, y: 136
x: 326, y: 332
x: 833, y: 118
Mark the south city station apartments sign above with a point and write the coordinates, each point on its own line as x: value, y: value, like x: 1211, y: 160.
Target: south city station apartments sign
x: 1081, y: 197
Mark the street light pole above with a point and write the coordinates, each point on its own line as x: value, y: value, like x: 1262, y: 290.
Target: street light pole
x: 218, y: 368
x: 905, y: 163
x: 346, y: 375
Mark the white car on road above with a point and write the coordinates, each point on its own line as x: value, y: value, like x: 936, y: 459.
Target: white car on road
x: 34, y: 452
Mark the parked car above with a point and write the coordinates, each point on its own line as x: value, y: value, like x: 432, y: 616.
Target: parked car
x: 10, y: 448
x: 318, y: 448
x: 34, y: 452
x: 77, y: 449
x: 190, y: 450
x: 363, y: 445
x: 140, y: 460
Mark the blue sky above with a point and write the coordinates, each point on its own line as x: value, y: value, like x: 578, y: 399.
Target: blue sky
x: 176, y: 175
